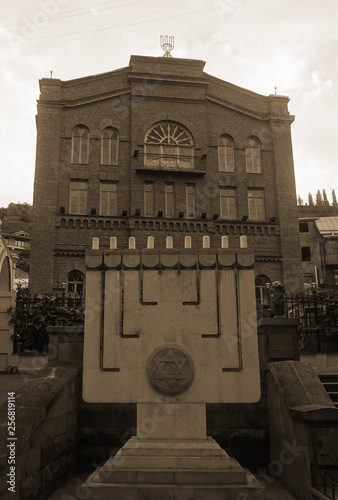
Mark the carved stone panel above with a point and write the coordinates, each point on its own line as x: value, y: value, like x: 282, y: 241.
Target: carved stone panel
x: 170, y: 369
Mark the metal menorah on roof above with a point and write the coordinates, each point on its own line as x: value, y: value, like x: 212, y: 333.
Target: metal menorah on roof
x: 167, y: 44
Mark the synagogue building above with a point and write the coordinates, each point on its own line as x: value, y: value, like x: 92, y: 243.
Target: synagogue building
x: 161, y: 148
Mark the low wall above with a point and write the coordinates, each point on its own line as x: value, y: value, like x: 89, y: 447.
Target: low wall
x: 45, y: 448
x: 303, y: 427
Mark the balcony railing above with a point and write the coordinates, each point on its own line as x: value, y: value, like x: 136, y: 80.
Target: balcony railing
x: 195, y: 165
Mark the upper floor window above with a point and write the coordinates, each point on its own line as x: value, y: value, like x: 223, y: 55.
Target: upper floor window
x: 256, y: 204
x: 80, y: 145
x: 78, y: 197
x: 226, y: 154
x: 108, y: 198
x: 228, y: 203
x: 149, y: 198
x: 253, y: 156
x: 169, y: 145
x: 169, y: 200
x: 306, y: 254
x: 109, y: 146
x: 190, y: 201
x: 303, y: 227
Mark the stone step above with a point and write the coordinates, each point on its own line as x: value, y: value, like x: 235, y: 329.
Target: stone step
x: 185, y: 448
x: 252, y: 490
x: 334, y: 396
x: 166, y: 477
x: 328, y: 377
x: 164, y: 462
x: 331, y: 386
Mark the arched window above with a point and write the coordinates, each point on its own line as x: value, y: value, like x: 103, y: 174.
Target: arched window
x: 262, y: 295
x: 109, y: 146
x: 80, y: 145
x: 253, y: 156
x: 226, y: 154
x: 75, y: 285
x: 169, y: 145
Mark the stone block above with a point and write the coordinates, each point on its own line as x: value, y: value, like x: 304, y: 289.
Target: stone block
x: 180, y: 421
x: 32, y: 460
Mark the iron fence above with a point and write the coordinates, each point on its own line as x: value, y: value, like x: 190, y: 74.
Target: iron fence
x: 34, y: 313
x: 325, y: 482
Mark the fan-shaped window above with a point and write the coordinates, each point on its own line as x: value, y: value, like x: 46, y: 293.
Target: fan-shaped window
x: 226, y: 154
x: 169, y: 145
x: 80, y: 145
x: 75, y: 287
x: 109, y: 146
x: 253, y: 156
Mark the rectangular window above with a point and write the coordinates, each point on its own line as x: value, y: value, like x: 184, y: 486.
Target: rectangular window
x: 78, y: 198
x: 191, y: 201
x: 253, y: 160
x: 306, y: 254
x: 256, y: 204
x: 335, y: 273
x: 149, y: 198
x: 228, y: 203
x: 108, y: 198
x: 303, y: 227
x: 169, y: 200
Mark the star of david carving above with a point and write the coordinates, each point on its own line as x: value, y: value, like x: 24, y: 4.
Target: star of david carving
x: 329, y: 445
x: 170, y: 370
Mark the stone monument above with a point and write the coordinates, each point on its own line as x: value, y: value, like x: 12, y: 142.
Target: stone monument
x: 171, y: 331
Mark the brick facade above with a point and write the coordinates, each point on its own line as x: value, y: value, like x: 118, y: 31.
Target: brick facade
x: 132, y: 100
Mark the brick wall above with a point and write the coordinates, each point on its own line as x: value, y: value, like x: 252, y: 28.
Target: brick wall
x: 132, y: 99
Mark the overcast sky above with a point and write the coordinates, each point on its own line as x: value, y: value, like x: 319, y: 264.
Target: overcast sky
x: 255, y: 44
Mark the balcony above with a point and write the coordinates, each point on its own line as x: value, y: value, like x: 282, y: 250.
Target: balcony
x: 331, y: 259
x: 192, y: 165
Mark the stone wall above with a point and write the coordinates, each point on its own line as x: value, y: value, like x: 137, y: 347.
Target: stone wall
x: 46, y: 431
x: 303, y: 427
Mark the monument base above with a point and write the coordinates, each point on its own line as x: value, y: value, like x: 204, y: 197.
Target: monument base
x: 190, y: 469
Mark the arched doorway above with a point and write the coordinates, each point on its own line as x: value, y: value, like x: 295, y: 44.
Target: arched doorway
x: 5, y: 276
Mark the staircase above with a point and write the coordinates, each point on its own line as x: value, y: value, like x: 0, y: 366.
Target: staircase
x: 330, y: 382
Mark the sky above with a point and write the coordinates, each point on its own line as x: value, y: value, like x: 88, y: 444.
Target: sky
x: 255, y: 44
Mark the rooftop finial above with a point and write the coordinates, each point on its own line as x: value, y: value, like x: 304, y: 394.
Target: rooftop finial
x: 167, y: 44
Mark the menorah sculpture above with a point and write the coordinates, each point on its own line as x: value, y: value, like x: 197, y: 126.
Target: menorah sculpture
x: 167, y: 44
x: 171, y: 331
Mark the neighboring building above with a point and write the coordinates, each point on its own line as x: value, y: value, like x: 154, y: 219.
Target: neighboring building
x: 161, y: 148
x: 318, y: 228
x: 6, y: 267
x: 18, y: 243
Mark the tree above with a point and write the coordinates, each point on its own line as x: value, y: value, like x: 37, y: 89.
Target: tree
x: 16, y: 217
x: 310, y: 200
x: 334, y: 198
x: 319, y: 199
x: 325, y: 200
x: 300, y: 200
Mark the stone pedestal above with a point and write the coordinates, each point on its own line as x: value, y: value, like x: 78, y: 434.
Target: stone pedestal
x: 155, y: 465
x: 171, y: 331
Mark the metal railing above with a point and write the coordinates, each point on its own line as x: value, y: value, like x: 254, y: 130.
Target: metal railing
x: 326, y: 483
